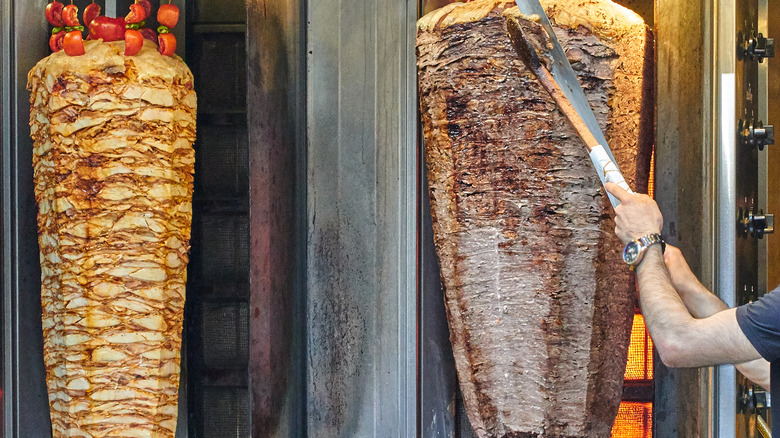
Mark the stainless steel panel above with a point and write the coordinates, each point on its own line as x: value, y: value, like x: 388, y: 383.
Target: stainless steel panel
x: 276, y: 86
x: 684, y: 191
x: 24, y: 35
x: 361, y: 218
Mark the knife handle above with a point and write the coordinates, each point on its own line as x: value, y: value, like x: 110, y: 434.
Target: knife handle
x: 608, y: 171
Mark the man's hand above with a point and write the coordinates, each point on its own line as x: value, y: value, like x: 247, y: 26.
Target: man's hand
x: 636, y: 216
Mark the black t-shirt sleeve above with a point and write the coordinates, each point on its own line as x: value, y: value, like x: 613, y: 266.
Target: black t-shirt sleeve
x: 760, y: 321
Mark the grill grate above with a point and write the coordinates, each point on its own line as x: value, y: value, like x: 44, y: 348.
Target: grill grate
x: 225, y: 335
x: 224, y: 248
x: 222, y: 168
x: 225, y: 412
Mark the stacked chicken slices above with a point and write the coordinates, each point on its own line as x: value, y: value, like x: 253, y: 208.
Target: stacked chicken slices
x: 113, y: 164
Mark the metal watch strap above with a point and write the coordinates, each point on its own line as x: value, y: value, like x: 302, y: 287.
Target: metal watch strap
x: 651, y: 239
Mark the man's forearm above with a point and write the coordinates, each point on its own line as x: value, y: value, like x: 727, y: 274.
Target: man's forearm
x: 663, y: 309
x: 702, y: 303
x: 681, y: 339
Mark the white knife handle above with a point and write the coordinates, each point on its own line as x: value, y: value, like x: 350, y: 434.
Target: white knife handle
x: 608, y: 171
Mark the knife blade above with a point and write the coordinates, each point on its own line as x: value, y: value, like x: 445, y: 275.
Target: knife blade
x: 559, y: 79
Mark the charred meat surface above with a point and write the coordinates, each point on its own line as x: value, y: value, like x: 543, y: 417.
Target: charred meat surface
x: 113, y: 166
x: 539, y: 301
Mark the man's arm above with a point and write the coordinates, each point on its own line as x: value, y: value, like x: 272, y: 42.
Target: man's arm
x: 702, y: 303
x: 681, y: 339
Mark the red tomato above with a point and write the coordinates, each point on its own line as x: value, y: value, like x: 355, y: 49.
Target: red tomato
x: 55, y: 42
x: 73, y: 44
x: 148, y: 33
x: 167, y: 43
x: 133, y: 42
x: 91, y: 12
x: 107, y: 29
x: 54, y: 14
x: 147, y: 5
x: 137, y: 14
x: 70, y: 15
x: 168, y: 15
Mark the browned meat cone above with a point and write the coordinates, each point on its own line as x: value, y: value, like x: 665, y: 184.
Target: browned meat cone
x: 113, y: 164
x: 539, y: 301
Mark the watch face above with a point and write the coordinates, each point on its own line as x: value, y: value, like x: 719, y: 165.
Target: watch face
x: 631, y: 252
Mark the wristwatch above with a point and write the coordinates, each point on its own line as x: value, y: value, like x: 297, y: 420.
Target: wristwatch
x: 635, y: 250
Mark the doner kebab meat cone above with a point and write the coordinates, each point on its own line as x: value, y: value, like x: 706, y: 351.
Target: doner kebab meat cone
x: 113, y: 166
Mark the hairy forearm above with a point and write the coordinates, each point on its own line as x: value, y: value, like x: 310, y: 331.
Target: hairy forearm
x: 664, y: 310
x: 702, y: 303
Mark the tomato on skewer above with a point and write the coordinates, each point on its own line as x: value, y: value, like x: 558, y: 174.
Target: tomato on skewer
x: 91, y: 12
x: 147, y: 5
x: 70, y: 15
x: 134, y: 41
x: 168, y: 15
x: 73, y: 44
x: 148, y: 34
x: 55, y: 42
x: 167, y: 44
x: 137, y: 14
x: 54, y: 14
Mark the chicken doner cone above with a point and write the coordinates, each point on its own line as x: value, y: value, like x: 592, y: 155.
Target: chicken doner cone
x: 113, y: 166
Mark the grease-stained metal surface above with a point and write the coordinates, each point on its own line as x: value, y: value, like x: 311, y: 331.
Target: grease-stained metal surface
x: 681, y: 189
x: 361, y: 189
x: 26, y: 409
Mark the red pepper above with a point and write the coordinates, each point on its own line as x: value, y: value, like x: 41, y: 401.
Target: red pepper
x: 107, y: 29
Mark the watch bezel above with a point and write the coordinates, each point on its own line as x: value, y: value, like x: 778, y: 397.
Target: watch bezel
x: 632, y: 251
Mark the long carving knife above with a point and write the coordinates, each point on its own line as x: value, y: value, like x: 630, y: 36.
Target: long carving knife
x: 558, y: 78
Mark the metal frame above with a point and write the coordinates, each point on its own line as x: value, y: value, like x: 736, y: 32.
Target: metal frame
x: 740, y: 175
x: 333, y: 123
x: 25, y: 399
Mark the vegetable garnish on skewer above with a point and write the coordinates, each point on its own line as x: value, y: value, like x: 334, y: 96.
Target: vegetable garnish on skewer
x: 168, y: 15
x: 70, y: 15
x: 137, y: 14
x: 55, y: 42
x: 73, y: 44
x: 67, y: 31
x: 167, y: 44
x: 91, y: 12
x: 54, y: 14
x: 134, y: 41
